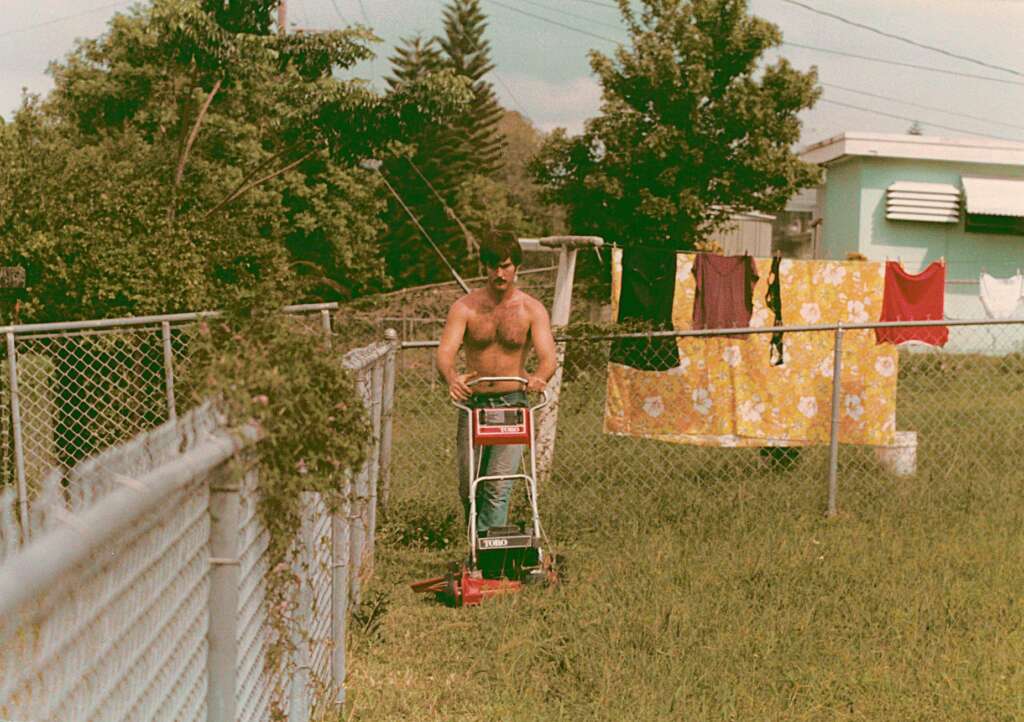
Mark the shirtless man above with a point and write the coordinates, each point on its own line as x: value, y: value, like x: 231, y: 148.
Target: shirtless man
x: 496, y: 324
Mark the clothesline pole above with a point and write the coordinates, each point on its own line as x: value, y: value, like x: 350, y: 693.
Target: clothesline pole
x: 547, y: 417
x: 833, y: 444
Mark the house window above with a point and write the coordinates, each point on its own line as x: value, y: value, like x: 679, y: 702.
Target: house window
x: 922, y: 202
x: 994, y: 205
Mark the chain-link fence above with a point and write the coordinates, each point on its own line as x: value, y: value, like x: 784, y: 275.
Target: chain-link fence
x: 71, y: 390
x: 137, y: 587
x: 642, y: 417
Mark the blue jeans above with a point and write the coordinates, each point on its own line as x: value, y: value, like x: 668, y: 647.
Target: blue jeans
x: 491, y: 496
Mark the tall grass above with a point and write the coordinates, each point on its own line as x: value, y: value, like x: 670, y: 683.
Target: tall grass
x: 708, y: 584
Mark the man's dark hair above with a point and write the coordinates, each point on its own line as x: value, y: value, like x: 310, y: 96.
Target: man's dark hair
x: 497, y: 245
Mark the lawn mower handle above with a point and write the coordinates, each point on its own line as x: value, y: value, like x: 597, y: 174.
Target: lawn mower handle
x: 545, y: 394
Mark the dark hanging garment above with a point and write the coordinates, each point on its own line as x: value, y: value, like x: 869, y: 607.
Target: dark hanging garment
x: 725, y: 291
x: 910, y: 297
x: 645, y: 297
x: 773, y: 299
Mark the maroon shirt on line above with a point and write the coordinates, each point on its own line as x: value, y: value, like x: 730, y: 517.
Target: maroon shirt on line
x: 725, y: 290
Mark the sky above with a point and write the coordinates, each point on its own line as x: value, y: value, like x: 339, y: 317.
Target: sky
x: 540, y: 49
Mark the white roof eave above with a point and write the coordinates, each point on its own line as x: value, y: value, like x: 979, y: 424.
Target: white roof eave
x: 919, y: 147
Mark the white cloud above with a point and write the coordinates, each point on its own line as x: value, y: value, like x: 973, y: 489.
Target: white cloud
x: 551, y: 104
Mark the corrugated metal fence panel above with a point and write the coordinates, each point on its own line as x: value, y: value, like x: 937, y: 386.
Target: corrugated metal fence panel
x: 124, y: 636
x: 254, y: 689
x: 745, y: 236
x: 319, y: 577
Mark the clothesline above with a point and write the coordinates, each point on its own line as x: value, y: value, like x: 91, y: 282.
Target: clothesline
x: 949, y: 281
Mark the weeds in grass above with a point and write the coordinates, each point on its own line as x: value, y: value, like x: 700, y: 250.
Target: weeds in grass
x: 369, y: 615
x: 422, y: 528
x: 708, y: 584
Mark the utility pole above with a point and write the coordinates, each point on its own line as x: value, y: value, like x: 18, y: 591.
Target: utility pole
x: 282, y: 17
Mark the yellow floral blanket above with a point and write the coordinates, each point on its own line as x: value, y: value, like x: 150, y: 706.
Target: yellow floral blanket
x: 725, y: 392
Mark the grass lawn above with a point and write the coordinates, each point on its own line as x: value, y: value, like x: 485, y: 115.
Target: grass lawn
x: 705, y: 584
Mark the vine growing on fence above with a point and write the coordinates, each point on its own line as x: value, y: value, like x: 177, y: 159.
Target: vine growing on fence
x: 281, y: 375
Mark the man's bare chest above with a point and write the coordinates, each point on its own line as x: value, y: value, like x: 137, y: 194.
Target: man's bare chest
x: 509, y: 328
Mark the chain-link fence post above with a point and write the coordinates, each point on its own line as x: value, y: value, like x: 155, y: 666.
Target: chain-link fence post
x: 373, y: 472
x: 341, y: 530
x: 225, y: 576
x: 833, y: 443
x: 165, y: 328
x: 302, y: 566
x: 387, y: 414
x: 359, y: 509
x: 19, y: 449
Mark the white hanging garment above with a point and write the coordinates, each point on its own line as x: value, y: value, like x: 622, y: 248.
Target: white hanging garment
x: 999, y: 296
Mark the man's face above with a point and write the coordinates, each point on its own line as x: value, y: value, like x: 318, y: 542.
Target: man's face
x: 501, y: 276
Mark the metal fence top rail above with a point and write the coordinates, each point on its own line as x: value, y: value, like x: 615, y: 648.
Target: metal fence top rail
x: 29, y: 572
x: 765, y: 329
x: 146, y: 320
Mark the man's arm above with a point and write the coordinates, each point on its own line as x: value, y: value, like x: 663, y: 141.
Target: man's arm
x: 448, y: 350
x: 544, y: 344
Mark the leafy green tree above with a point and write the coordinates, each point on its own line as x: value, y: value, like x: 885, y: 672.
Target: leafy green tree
x: 193, y: 160
x: 693, y: 124
x: 484, y: 203
x: 243, y: 16
x: 522, y: 142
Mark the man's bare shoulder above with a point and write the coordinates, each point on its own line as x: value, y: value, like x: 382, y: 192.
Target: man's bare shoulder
x: 533, y: 305
x: 468, y: 303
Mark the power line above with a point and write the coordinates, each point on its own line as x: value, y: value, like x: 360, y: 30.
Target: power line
x: 599, y: 4
x: 930, y: 68
x: 62, y: 18
x: 555, y: 22
x: 900, y: 38
x: 923, y: 107
x: 416, y: 221
x: 801, y: 46
x: 918, y: 120
x: 813, y: 48
x: 366, y: 18
x: 572, y: 15
x: 510, y: 93
x: 362, y: 9
x: 344, y: 19
x: 836, y: 52
x: 449, y: 211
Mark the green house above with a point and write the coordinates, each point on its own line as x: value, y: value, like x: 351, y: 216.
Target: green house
x: 920, y: 198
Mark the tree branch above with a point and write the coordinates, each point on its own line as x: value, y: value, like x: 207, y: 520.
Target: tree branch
x: 179, y: 173
x: 242, y: 191
x: 263, y: 164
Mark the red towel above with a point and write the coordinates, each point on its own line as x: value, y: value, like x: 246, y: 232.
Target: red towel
x: 910, y: 297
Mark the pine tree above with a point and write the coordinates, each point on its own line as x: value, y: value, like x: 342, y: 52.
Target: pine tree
x: 442, y: 161
x: 476, y: 144
x: 410, y: 259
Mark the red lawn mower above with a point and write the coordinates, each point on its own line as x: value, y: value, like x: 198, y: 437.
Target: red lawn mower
x: 504, y: 558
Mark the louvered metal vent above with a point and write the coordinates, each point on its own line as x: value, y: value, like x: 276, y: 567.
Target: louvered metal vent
x: 928, y: 202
